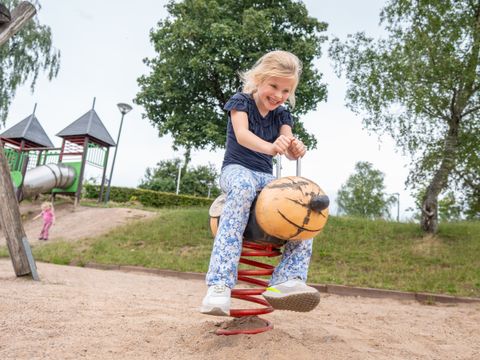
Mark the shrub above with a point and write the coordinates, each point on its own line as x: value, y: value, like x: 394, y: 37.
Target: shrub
x: 148, y: 198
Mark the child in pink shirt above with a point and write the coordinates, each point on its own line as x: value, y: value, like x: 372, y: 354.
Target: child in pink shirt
x: 48, y: 216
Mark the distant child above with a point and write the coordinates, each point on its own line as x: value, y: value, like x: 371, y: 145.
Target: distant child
x: 48, y: 215
x: 259, y: 127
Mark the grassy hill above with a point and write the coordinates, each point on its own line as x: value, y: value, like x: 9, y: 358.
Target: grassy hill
x: 349, y: 251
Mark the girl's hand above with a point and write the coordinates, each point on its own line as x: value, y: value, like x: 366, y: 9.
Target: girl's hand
x: 297, y: 149
x: 281, y: 145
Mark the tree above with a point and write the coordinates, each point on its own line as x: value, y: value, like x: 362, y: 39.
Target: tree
x: 467, y: 181
x: 448, y: 208
x: 197, y: 181
x: 471, y: 202
x: 471, y: 197
x: 363, y: 194
x: 23, y: 57
x: 420, y: 85
x: 201, y: 48
x: 200, y: 181
x: 163, y: 177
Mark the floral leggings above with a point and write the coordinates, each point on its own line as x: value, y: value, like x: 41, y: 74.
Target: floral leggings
x: 241, y: 186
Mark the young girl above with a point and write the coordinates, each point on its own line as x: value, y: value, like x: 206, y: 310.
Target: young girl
x: 48, y: 216
x: 259, y: 127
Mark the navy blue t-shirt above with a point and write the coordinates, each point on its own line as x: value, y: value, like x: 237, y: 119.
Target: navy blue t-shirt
x: 267, y: 128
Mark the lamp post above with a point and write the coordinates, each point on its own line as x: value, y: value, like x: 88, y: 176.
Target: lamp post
x: 398, y: 205
x: 178, y: 177
x: 124, y: 108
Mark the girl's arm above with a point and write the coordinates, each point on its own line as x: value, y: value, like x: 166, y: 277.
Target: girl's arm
x: 251, y: 141
x: 36, y: 217
x: 296, y: 149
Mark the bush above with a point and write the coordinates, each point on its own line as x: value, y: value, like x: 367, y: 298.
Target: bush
x: 147, y: 198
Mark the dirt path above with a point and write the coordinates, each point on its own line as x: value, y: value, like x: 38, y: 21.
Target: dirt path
x: 77, y: 313
x: 75, y: 223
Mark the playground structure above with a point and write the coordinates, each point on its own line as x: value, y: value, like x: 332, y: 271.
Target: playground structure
x: 37, y: 167
x: 31, y: 165
x: 288, y: 209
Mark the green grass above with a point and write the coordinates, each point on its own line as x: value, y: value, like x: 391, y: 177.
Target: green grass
x: 349, y: 251
x: 398, y: 256
x: 177, y: 239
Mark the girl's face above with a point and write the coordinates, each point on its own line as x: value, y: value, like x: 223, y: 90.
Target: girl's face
x: 272, y: 93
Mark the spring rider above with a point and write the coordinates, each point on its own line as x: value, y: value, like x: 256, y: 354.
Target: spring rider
x: 289, y: 208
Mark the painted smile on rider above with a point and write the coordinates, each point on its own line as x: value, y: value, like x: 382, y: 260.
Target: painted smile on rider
x: 272, y: 93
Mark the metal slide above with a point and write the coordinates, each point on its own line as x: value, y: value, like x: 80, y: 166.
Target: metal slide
x: 44, y: 178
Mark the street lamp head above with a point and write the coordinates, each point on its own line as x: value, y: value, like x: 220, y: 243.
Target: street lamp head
x: 124, y: 108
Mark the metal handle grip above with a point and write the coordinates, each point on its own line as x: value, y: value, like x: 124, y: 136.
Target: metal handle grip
x: 279, y: 166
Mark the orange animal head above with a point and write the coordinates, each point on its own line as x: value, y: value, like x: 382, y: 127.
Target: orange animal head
x: 292, y: 208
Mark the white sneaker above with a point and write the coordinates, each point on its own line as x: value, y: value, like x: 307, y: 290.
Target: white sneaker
x: 217, y: 301
x: 293, y: 295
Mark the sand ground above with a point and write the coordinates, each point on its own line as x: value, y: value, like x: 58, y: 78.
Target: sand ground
x: 74, y: 313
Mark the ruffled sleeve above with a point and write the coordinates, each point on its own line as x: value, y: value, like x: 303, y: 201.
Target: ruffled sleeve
x: 238, y: 102
x: 285, y: 118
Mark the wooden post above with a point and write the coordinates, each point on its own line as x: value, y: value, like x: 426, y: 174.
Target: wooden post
x: 102, y: 186
x: 11, y: 222
x: 10, y: 219
x: 20, y: 15
x: 78, y: 194
x: 19, y: 193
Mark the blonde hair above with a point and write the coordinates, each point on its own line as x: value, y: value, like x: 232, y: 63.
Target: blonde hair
x: 276, y: 63
x: 46, y: 205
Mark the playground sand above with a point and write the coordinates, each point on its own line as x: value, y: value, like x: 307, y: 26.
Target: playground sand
x: 76, y: 223
x: 74, y: 313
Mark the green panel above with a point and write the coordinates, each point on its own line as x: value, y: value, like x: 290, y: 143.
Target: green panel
x: 50, y: 157
x: 73, y: 188
x: 96, y: 155
x: 14, y: 159
x: 17, y: 178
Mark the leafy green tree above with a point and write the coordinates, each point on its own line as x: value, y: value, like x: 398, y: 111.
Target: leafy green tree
x: 449, y: 208
x: 203, y: 45
x: 420, y: 85
x: 468, y: 182
x: 23, y: 57
x: 163, y: 177
x: 471, y: 202
x: 364, y: 195
x: 197, y: 181
x: 200, y: 181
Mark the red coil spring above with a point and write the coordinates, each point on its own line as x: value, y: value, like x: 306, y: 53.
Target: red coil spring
x: 250, y: 250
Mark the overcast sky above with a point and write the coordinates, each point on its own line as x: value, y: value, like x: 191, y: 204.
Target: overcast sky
x: 102, y: 45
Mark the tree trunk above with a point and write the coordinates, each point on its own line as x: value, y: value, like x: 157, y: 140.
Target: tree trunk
x: 430, y: 212
x: 187, y: 158
x: 429, y: 221
x: 460, y: 100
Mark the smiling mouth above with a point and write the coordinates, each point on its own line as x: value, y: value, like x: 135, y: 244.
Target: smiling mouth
x: 273, y: 102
